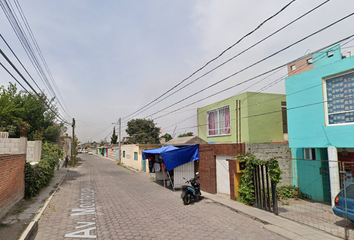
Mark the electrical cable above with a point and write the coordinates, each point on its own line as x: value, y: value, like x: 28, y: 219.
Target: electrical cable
x: 215, y: 58
x: 281, y: 78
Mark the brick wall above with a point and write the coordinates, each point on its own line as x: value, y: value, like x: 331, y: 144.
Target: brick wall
x: 12, y: 186
x: 280, y: 151
x: 207, y: 162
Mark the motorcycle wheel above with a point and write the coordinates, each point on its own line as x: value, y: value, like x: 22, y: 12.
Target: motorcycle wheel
x: 186, y: 199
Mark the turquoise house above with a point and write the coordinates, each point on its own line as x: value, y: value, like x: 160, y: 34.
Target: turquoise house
x: 320, y: 110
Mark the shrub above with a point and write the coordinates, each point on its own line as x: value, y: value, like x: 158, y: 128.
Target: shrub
x: 246, y: 186
x: 39, y: 176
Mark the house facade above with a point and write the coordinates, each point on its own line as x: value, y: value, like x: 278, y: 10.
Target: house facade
x: 248, y: 117
x: 132, y: 156
x: 320, y: 111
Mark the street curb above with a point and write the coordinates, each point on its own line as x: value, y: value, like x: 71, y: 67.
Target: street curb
x: 271, y: 226
x: 33, y: 224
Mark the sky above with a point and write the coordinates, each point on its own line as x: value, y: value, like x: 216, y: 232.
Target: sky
x: 110, y: 58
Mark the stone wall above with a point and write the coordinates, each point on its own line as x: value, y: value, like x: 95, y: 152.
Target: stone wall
x: 280, y: 151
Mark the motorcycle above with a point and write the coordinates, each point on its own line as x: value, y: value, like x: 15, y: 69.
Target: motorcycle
x: 191, y: 191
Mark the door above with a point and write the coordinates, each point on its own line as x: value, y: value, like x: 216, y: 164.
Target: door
x: 222, y: 174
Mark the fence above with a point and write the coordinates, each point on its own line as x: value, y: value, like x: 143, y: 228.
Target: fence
x: 310, y: 202
x: 264, y: 189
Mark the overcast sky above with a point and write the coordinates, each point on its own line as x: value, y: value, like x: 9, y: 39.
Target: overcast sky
x: 110, y: 58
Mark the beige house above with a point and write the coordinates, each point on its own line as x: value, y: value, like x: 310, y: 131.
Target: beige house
x: 132, y: 157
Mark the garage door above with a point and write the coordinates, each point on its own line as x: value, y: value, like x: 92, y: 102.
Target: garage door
x: 222, y: 174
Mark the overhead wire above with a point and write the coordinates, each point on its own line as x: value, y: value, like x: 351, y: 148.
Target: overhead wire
x: 20, y: 32
x: 215, y: 58
x: 281, y: 78
x: 252, y: 65
x: 237, y: 55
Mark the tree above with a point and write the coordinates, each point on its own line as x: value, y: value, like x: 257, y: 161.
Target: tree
x: 188, y: 134
x: 19, y: 108
x: 114, y: 136
x: 143, y: 131
x: 167, y: 137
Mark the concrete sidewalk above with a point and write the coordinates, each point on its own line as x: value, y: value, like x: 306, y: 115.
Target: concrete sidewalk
x: 31, y: 214
x: 277, y: 224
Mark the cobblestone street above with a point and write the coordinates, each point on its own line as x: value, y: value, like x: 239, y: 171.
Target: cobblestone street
x: 101, y: 200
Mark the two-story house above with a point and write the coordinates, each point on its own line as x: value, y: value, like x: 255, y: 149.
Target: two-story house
x: 320, y: 111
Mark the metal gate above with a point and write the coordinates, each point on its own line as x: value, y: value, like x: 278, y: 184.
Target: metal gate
x: 264, y: 190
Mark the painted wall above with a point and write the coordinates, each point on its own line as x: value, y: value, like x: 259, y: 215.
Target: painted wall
x: 312, y: 176
x: 128, y: 159
x: 306, y: 125
x: 256, y: 126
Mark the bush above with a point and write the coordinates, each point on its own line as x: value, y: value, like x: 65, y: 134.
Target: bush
x: 246, y: 186
x: 287, y: 191
x: 39, y: 176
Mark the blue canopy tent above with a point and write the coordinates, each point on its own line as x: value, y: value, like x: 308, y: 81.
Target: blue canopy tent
x: 174, y: 157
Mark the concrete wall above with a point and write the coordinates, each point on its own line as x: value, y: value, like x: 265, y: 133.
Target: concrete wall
x: 13, y: 145
x: 12, y: 186
x: 256, y: 126
x: 281, y: 152
x: 34, y: 151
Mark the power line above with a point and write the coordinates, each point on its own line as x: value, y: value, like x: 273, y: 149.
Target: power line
x: 215, y: 58
x: 254, y: 64
x: 21, y: 35
x: 277, y: 80
x: 19, y: 73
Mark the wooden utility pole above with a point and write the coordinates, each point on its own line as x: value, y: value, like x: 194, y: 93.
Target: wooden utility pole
x: 120, y: 134
x: 73, y: 142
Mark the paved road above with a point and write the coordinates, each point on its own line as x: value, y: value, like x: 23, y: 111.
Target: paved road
x: 100, y: 200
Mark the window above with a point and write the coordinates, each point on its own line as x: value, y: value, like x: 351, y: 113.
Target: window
x: 219, y: 121
x: 330, y: 53
x: 339, y: 91
x: 293, y: 67
x: 124, y: 154
x: 135, y: 156
x: 309, y: 154
x: 309, y: 61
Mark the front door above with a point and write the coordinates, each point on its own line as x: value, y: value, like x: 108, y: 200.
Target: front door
x: 223, y: 174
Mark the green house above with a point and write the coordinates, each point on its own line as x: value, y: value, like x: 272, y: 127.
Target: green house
x: 250, y: 117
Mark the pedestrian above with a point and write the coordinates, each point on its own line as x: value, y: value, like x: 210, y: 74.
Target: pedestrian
x: 66, y: 161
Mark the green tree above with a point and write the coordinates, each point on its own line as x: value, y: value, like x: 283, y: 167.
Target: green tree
x: 22, y: 108
x: 143, y: 131
x: 188, y: 134
x: 167, y: 137
x: 114, y: 137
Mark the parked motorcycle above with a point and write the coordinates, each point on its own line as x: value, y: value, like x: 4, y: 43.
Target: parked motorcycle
x: 191, y: 191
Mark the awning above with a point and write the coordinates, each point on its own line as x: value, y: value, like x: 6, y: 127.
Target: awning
x: 174, y: 157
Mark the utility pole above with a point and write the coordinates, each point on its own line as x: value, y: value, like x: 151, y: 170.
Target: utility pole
x: 73, y: 142
x: 120, y: 150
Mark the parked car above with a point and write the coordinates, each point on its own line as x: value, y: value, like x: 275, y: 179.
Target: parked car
x: 344, y: 203
x: 89, y: 153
